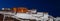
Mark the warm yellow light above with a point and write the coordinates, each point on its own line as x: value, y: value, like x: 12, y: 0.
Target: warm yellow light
x: 14, y: 9
x: 22, y: 10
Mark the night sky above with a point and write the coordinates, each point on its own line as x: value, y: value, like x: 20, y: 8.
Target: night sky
x: 50, y: 6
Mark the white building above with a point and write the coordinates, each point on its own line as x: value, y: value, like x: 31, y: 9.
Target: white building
x: 32, y: 14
